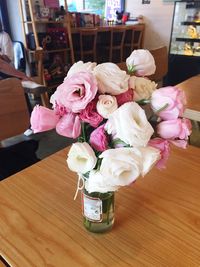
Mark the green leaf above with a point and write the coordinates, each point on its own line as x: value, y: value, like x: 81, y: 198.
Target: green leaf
x: 118, y: 141
x: 131, y: 69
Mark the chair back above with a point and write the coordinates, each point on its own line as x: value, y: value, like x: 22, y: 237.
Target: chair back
x: 137, y: 39
x: 19, y: 56
x: 117, y: 43
x: 132, y: 40
x: 161, y: 60
x: 88, y: 40
x: 39, y: 65
x: 14, y: 115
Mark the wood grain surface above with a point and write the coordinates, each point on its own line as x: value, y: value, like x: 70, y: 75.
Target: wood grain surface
x: 157, y: 219
x: 191, y: 88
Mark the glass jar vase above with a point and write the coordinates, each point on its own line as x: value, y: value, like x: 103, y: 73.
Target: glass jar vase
x: 98, y: 211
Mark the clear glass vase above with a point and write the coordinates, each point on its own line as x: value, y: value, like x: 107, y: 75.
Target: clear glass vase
x: 98, y: 211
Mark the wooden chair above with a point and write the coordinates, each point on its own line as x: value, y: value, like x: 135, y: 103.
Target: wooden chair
x: 14, y: 120
x: 103, y: 46
x: 88, y: 40
x: 161, y: 60
x: 14, y: 116
x: 137, y: 39
x: 37, y: 89
x: 117, y: 44
x: 132, y: 40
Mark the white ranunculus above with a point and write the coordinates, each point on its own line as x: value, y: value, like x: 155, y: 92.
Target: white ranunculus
x: 143, y: 87
x: 97, y: 183
x: 142, y: 62
x: 106, y: 105
x: 81, y: 158
x: 111, y: 79
x: 81, y: 66
x: 129, y: 123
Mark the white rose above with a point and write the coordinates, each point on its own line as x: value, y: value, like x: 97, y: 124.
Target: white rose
x: 129, y: 123
x: 81, y: 66
x: 143, y: 87
x: 106, y: 105
x: 149, y: 156
x: 142, y: 62
x: 111, y: 79
x: 121, y: 167
x: 81, y: 158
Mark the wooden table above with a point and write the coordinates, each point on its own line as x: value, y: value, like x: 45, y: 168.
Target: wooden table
x: 191, y: 87
x: 157, y: 218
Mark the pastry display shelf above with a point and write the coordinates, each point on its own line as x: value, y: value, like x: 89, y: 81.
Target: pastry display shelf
x: 189, y: 40
x: 187, y: 23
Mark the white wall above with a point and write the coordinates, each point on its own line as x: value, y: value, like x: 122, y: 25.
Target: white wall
x: 158, y: 19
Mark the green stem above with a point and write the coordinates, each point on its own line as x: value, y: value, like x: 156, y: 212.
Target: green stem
x: 109, y: 202
x: 83, y: 131
x: 143, y: 101
x: 161, y: 109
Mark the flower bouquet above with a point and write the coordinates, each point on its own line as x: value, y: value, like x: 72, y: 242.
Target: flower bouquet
x: 123, y: 125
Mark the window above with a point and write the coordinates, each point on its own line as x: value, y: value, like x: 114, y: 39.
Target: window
x: 106, y: 8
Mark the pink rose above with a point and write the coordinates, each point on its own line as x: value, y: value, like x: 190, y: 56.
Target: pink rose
x: 90, y: 115
x: 163, y: 146
x: 75, y: 92
x: 125, y: 97
x: 69, y: 125
x: 141, y: 62
x: 98, y: 139
x: 43, y: 119
x: 171, y: 129
x: 171, y: 97
x: 60, y: 110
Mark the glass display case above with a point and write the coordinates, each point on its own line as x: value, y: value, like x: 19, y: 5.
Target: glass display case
x: 185, y: 37
x: 184, y: 50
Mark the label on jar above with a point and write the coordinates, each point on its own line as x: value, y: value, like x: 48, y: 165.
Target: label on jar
x: 92, y: 208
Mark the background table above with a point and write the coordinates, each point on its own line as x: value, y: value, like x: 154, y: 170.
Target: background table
x: 191, y: 87
x: 157, y: 218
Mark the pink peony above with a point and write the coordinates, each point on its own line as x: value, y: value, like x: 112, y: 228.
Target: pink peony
x: 69, y: 125
x: 172, y: 129
x: 98, y: 139
x: 90, y: 115
x: 76, y: 92
x: 43, y: 119
x: 125, y: 97
x: 171, y: 96
x: 163, y: 146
